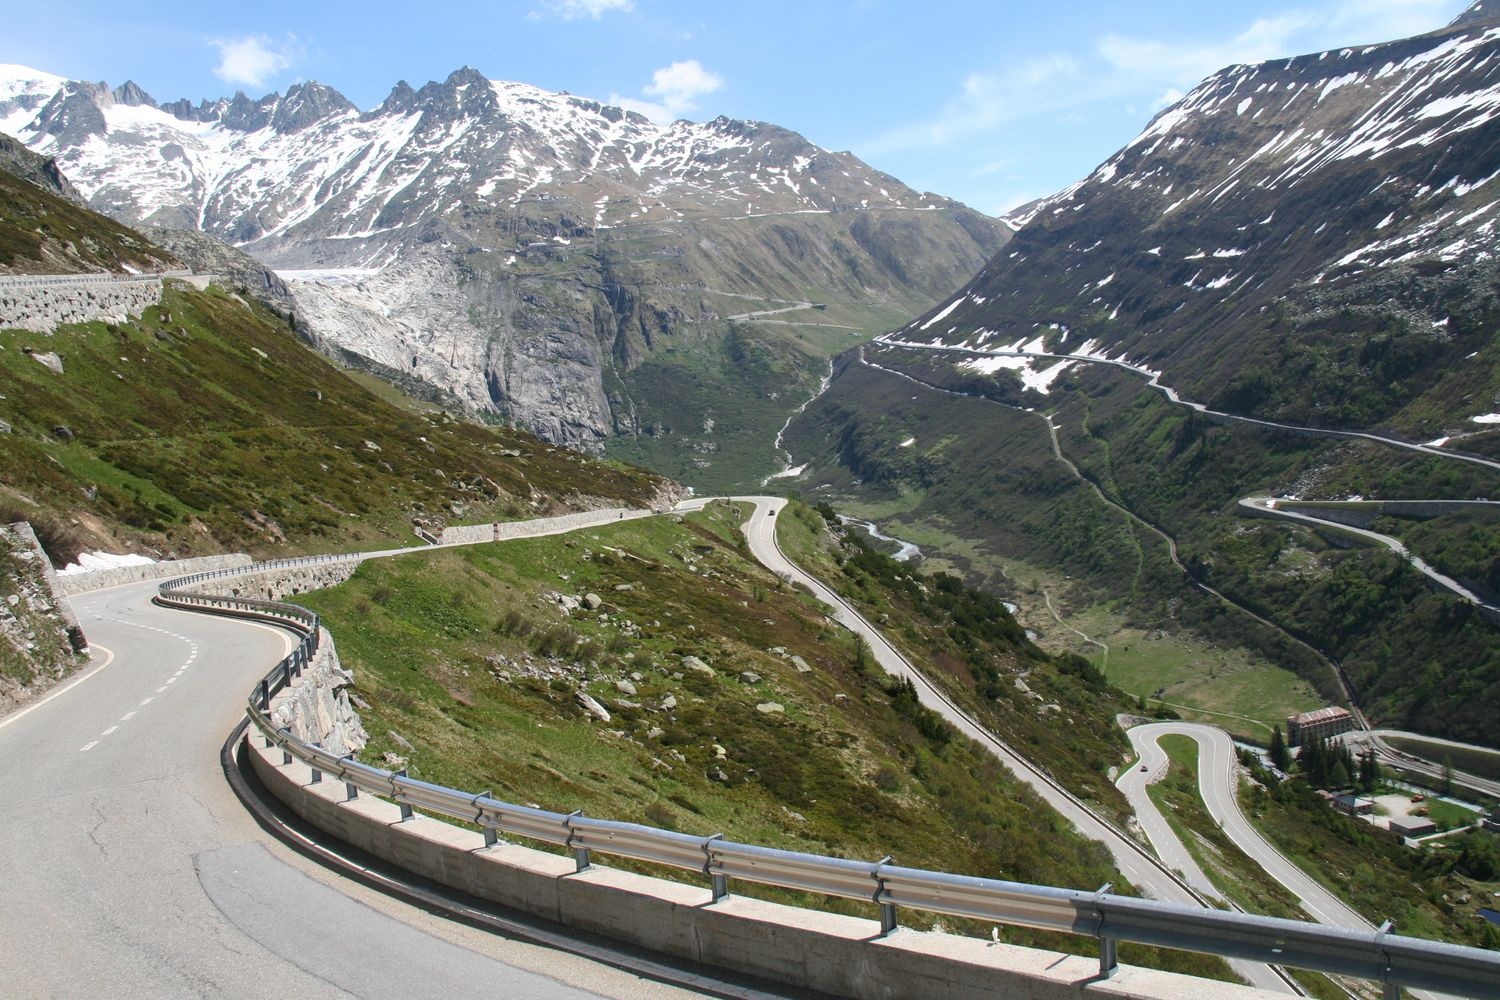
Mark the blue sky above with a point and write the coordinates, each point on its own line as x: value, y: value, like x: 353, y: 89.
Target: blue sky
x: 992, y: 102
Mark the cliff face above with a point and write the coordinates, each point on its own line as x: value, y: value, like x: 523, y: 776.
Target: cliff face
x: 524, y: 253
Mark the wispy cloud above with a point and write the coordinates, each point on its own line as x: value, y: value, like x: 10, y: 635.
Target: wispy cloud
x: 985, y: 101
x: 253, y: 59
x: 676, y: 88
x: 572, y: 10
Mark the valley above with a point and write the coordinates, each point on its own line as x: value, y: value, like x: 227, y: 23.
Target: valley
x: 1203, y: 441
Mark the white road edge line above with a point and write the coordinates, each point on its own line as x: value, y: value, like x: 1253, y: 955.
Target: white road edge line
x: 109, y: 657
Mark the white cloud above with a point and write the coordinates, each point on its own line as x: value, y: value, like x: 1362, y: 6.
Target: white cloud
x: 676, y: 88
x: 253, y: 59
x: 986, y: 100
x: 572, y: 10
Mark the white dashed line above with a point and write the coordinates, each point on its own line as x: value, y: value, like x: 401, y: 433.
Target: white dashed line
x: 127, y: 716
x: 161, y: 689
x: 108, y: 731
x: 147, y: 702
x: 88, y: 746
x: 171, y: 679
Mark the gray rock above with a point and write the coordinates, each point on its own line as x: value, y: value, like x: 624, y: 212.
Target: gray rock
x: 625, y: 687
x: 592, y: 601
x: 655, y: 733
x: 770, y: 708
x: 717, y: 774
x: 50, y: 359
x: 592, y: 707
x: 399, y: 740
x: 720, y: 752
x: 801, y: 665
x: 669, y: 702
x: 749, y: 677
x: 697, y: 666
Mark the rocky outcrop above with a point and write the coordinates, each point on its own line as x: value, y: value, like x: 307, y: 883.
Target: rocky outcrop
x: 41, y: 641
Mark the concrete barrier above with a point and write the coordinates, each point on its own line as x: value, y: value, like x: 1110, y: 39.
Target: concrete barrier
x: 840, y: 955
x: 78, y: 583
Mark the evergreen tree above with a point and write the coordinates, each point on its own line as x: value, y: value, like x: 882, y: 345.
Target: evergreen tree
x: 1280, y: 758
x: 1369, y: 771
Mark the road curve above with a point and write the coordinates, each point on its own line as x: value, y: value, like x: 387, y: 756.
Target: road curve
x: 131, y: 870
x: 1217, y: 784
x: 1131, y: 860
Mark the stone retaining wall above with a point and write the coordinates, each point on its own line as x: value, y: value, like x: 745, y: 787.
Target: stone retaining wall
x: 277, y: 583
x: 471, y: 534
x: 43, y: 306
x: 78, y: 583
x: 316, y: 707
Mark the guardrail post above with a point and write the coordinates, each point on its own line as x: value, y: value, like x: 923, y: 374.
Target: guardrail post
x: 286, y: 755
x: 264, y: 690
x: 1389, y: 990
x: 351, y: 790
x: 580, y: 854
x: 491, y: 835
x: 317, y: 776
x: 887, y: 909
x: 1109, y: 948
x: 718, y: 884
x: 406, y: 812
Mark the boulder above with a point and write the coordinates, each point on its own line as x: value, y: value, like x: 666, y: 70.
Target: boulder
x: 592, y: 707
x: 749, y: 677
x: 801, y: 665
x: 697, y: 666
x: 669, y: 702
x: 625, y: 687
x: 592, y: 601
x: 770, y: 708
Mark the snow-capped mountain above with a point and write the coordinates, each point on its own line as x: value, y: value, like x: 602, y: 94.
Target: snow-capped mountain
x: 519, y: 249
x: 1313, y: 238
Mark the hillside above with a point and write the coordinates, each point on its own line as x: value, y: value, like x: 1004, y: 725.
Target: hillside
x: 1307, y: 242
x: 665, y: 293
x: 205, y: 425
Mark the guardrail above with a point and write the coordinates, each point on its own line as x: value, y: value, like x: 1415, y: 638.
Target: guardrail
x: 86, y: 278
x: 1382, y: 956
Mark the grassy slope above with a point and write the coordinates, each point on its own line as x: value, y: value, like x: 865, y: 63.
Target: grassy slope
x: 41, y: 233
x: 985, y: 475
x: 466, y: 656
x: 204, y: 426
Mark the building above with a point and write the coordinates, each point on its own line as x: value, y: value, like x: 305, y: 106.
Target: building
x: 1410, y: 827
x: 1354, y: 805
x: 1320, y: 723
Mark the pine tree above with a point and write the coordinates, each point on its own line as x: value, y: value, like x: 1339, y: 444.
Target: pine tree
x: 1280, y: 758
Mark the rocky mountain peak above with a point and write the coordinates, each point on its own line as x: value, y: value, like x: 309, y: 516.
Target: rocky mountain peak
x: 130, y: 93
x: 1479, y: 11
x: 244, y: 115
x: 76, y: 112
x: 306, y: 104
x: 466, y: 93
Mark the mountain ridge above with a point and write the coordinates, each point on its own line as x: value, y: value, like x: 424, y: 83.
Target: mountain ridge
x: 536, y: 257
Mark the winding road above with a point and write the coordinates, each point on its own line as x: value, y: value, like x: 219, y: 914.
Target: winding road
x: 1143, y: 870
x: 132, y: 870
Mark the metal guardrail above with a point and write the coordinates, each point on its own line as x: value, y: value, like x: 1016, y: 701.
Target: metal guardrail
x: 1381, y: 956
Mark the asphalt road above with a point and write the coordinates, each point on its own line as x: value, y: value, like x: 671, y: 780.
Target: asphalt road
x: 1130, y: 859
x: 131, y: 870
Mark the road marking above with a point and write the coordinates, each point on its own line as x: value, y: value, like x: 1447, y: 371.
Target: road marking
x: 88, y: 746
x: 169, y: 681
x: 127, y: 716
x: 147, y: 701
x: 161, y: 689
x: 108, y: 731
x: 109, y: 657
